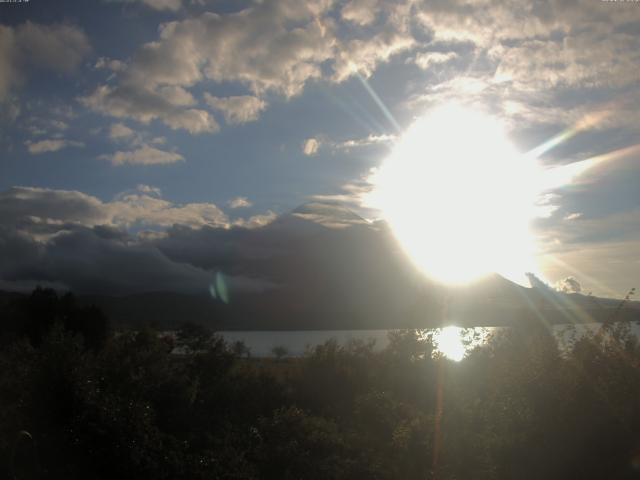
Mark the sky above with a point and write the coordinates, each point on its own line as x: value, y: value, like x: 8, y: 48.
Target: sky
x: 125, y: 119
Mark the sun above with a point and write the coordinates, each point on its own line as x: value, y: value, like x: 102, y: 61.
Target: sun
x: 459, y: 197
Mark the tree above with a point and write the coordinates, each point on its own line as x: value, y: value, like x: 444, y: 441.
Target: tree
x: 280, y: 351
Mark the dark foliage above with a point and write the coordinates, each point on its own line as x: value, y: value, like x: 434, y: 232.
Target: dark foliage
x: 80, y: 403
x: 36, y: 315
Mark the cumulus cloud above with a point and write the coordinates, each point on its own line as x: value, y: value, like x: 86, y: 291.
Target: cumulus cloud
x: 34, y: 210
x: 143, y: 104
x: 239, y: 202
x: 360, y: 12
x: 144, y: 155
x: 238, y: 109
x: 257, y: 47
x: 105, y: 63
x: 524, y: 58
x: 120, y: 131
x: 50, y: 145
x: 75, y: 240
x: 425, y: 60
x: 268, y: 47
x: 31, y: 209
x: 364, y: 55
x: 568, y: 285
x: 310, y: 146
x: 23, y: 48
x: 142, y: 209
x: 141, y: 148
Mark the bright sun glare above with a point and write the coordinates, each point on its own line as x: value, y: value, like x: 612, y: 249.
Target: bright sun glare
x: 459, y: 197
x: 449, y: 342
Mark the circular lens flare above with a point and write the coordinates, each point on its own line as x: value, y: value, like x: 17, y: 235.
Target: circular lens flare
x: 459, y: 197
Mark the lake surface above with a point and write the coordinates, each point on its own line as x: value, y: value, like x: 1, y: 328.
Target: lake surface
x: 296, y: 342
x: 261, y: 343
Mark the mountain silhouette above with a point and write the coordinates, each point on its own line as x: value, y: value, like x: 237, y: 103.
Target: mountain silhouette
x: 322, y: 266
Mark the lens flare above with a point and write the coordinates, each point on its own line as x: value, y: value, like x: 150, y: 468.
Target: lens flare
x: 218, y: 288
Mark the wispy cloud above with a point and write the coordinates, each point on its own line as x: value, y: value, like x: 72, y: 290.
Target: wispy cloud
x: 237, y: 109
x: 239, y: 202
x: 144, y: 155
x: 50, y: 145
x: 310, y: 146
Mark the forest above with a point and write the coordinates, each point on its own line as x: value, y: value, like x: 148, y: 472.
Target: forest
x: 81, y: 400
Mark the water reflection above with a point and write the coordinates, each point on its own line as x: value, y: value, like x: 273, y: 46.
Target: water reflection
x: 448, y: 342
x: 451, y: 342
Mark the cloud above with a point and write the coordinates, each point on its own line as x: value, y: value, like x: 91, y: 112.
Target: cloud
x: 274, y: 47
x: 237, y: 110
x: 259, y: 47
x: 149, y: 190
x: 40, y: 210
x: 22, y: 207
x: 109, y: 64
x: 558, y: 235
x: 140, y: 209
x: 169, y: 5
x: 360, y: 12
x: 32, y: 46
x: 363, y: 55
x: 608, y: 269
x: 50, y: 145
x: 427, y: 59
x: 120, y: 131
x: 310, y: 146
x: 144, y: 105
x: 144, y: 155
x: 239, y: 202
x: 73, y: 240
x: 256, y: 221
x: 543, y: 63
x: 365, y: 142
x: 568, y: 285
x: 354, y: 194
x: 101, y: 260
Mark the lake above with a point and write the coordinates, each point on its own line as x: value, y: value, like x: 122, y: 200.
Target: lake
x: 451, y: 341
x: 261, y: 343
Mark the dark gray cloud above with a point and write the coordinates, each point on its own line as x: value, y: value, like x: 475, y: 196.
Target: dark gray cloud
x: 29, y: 46
x: 96, y: 260
x: 73, y: 240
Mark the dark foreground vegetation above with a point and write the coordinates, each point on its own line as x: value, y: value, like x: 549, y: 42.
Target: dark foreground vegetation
x: 79, y: 401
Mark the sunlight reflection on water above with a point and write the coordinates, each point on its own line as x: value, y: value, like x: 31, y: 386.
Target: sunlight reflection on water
x: 454, y: 344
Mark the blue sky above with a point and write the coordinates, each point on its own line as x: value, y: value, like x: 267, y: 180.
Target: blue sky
x: 243, y: 110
